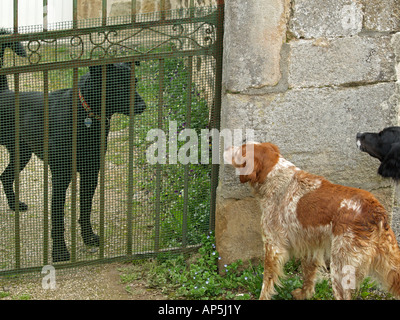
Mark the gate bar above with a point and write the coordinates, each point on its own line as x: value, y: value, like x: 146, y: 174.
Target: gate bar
x: 88, y: 62
x: 45, y: 20
x: 85, y: 263
x: 45, y: 167
x: 186, y: 170
x: 16, y: 173
x: 131, y: 161
x: 133, y: 11
x: 74, y: 162
x: 158, y: 165
x: 102, y: 156
x: 216, y: 110
x: 15, y: 16
x: 75, y: 14
x: 104, y: 13
x: 17, y: 155
x: 162, y: 9
x: 188, y: 125
x: 45, y: 150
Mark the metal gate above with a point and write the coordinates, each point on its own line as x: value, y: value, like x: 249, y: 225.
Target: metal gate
x: 122, y: 107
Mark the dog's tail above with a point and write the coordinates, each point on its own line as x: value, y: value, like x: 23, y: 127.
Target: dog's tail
x: 17, y: 47
x: 387, y: 261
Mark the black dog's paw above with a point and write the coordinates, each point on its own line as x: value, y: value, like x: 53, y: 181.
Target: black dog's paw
x: 22, y: 206
x: 91, y: 240
x: 60, y: 255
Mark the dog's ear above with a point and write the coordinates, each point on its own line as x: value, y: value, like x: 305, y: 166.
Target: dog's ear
x: 390, y: 166
x: 252, y: 177
x: 251, y: 168
x: 18, y: 49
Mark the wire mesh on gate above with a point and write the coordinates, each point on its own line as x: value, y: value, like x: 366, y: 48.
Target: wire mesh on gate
x: 119, y: 109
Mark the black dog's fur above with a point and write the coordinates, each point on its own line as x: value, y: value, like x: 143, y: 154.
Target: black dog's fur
x: 385, y: 146
x: 60, y: 142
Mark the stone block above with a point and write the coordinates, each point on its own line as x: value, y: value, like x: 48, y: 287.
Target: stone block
x: 325, y: 18
x: 381, y: 15
x: 341, y: 61
x: 252, y: 43
x: 238, y: 231
x: 396, y: 48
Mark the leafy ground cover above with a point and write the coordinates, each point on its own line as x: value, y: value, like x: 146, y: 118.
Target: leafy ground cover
x: 199, y: 278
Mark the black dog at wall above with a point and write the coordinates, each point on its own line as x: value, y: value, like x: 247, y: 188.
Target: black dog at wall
x: 385, y: 146
x: 60, y: 141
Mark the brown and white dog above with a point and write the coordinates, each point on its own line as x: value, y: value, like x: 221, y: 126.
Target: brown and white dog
x: 307, y: 217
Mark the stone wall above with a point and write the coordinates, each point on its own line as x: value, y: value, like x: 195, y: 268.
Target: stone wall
x: 307, y: 75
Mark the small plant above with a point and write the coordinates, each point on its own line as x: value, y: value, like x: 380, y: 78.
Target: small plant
x: 4, y: 294
x: 202, y: 279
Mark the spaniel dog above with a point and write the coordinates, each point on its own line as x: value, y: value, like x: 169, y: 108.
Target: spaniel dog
x: 385, y: 146
x: 307, y: 217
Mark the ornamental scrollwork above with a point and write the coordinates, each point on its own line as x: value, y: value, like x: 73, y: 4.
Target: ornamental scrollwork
x: 157, y: 38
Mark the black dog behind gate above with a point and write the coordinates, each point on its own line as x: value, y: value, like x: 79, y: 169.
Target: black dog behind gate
x: 118, y: 80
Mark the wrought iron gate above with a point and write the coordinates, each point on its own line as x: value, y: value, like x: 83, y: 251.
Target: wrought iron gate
x: 156, y: 183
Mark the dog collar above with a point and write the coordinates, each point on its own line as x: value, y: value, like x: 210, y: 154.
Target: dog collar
x: 91, y: 114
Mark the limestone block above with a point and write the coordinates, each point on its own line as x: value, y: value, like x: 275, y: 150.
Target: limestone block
x: 315, y: 128
x: 238, y: 230
x: 326, y: 18
x: 396, y: 47
x: 341, y: 61
x: 381, y: 15
x: 254, y: 33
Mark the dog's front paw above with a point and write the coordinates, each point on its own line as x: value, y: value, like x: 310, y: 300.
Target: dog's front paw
x: 60, y: 254
x: 301, y: 294
x: 92, y: 240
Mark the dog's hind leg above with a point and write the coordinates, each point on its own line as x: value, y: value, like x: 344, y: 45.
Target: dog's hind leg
x: 348, y: 267
x: 88, y: 184
x: 8, y: 175
x: 386, y: 264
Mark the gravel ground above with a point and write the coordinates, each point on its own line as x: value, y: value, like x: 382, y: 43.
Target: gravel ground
x: 87, y: 283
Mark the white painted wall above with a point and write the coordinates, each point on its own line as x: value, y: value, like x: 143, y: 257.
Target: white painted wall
x: 30, y: 12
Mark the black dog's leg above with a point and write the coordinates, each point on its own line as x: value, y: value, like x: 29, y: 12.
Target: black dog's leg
x: 60, y: 180
x: 88, y: 184
x: 8, y: 175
